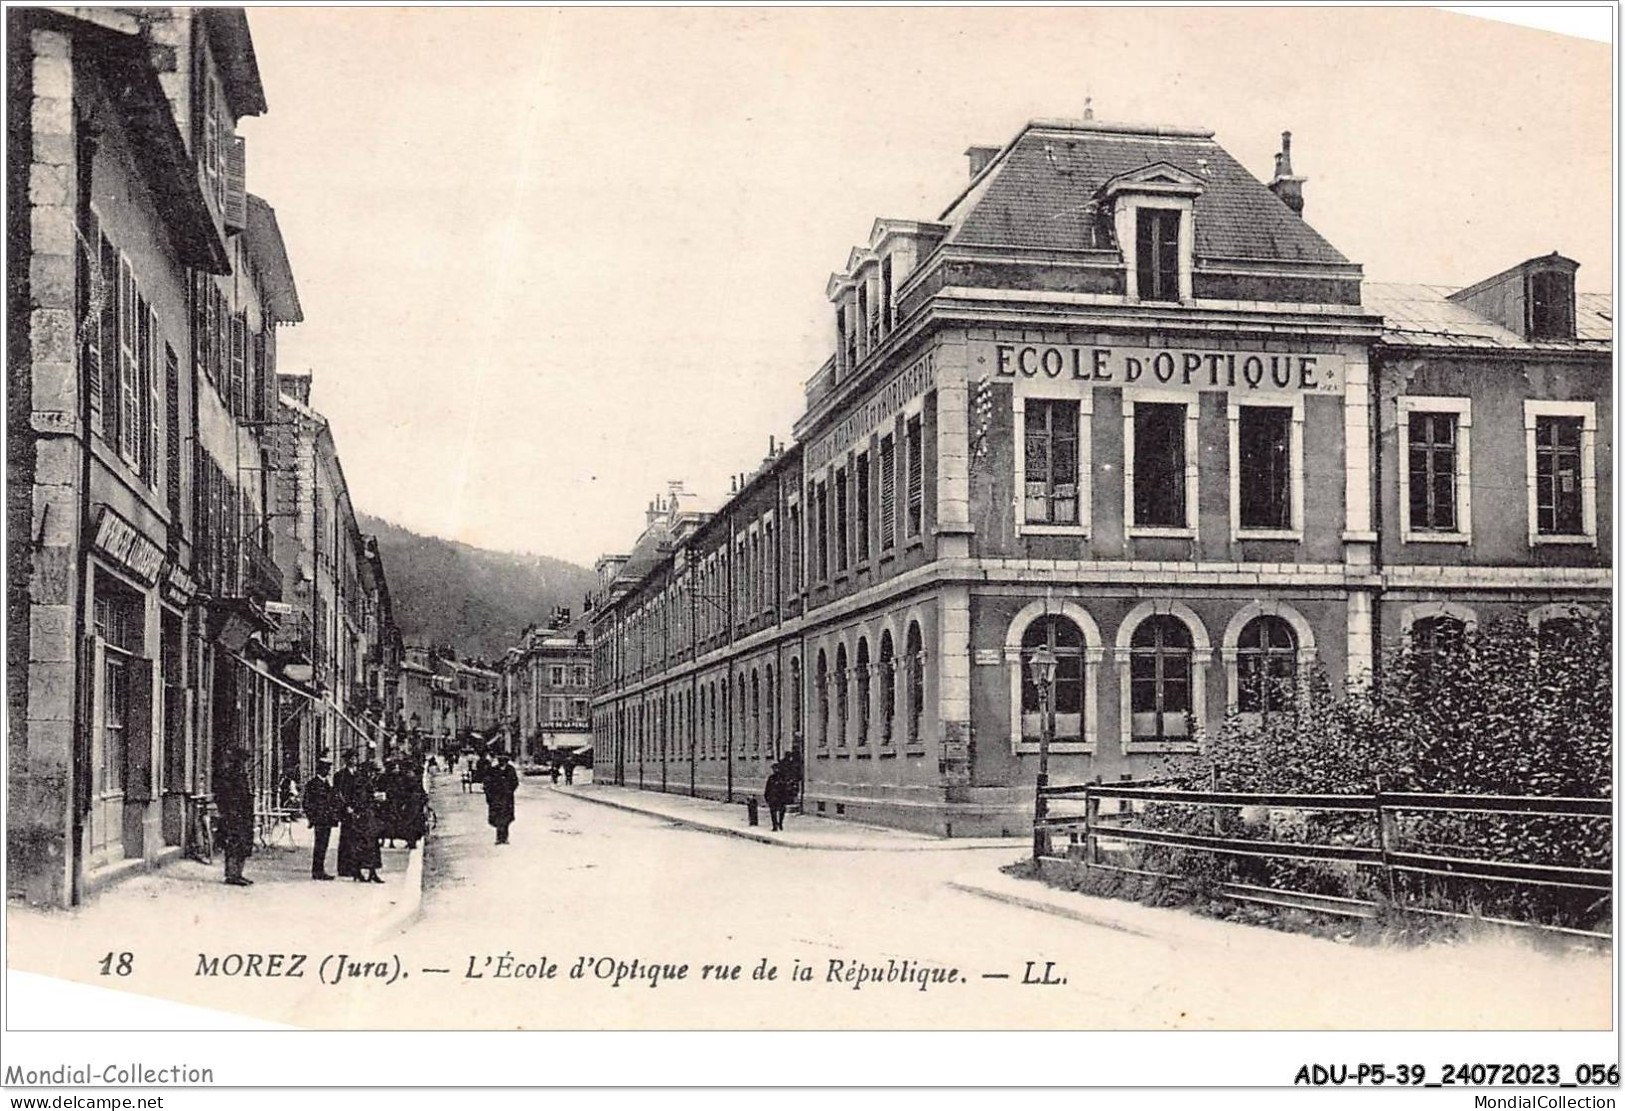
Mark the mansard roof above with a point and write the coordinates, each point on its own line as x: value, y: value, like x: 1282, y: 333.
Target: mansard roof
x: 1046, y: 188
x: 1419, y: 315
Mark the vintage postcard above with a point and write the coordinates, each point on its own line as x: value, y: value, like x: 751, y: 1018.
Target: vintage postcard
x: 823, y: 519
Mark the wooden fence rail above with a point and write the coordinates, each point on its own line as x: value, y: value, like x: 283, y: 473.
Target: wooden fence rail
x: 1386, y: 852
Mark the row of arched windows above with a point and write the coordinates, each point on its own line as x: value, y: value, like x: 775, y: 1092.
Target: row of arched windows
x: 871, y: 716
x: 1163, y: 665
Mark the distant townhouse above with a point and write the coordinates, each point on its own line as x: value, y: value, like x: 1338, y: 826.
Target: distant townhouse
x: 550, y: 680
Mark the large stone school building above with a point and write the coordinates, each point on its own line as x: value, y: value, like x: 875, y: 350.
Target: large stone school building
x: 1118, y: 399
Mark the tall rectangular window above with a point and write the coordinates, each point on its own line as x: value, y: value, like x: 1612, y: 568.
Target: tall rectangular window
x: 914, y: 514
x: 1159, y: 465
x: 1432, y: 444
x: 887, y: 317
x: 888, y: 493
x: 795, y: 547
x: 1157, y: 253
x: 821, y: 523
x: 865, y: 327
x: 1051, y: 462
x: 860, y: 490
x: 770, y: 564
x: 1559, y: 508
x: 842, y: 520
x: 1266, y: 467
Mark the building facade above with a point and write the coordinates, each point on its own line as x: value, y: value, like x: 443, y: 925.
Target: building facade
x: 548, y: 685
x: 147, y: 290
x: 1121, y: 401
x: 336, y: 645
x: 129, y: 386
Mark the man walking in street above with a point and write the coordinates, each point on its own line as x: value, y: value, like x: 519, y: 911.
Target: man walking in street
x: 501, y: 781
x: 236, y: 802
x: 778, y: 793
x: 323, y: 808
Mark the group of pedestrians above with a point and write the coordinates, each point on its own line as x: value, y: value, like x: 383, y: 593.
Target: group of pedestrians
x: 367, y: 807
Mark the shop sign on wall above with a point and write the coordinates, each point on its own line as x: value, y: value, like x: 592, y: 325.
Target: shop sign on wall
x: 121, y: 542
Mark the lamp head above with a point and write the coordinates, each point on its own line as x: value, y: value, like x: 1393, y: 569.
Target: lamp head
x: 1043, y: 666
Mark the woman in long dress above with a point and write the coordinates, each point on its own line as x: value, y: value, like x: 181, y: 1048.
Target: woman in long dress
x: 366, y: 855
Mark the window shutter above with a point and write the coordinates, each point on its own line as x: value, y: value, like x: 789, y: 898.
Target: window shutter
x: 108, y: 344
x: 258, y: 398
x: 128, y: 415
x: 239, y: 338
x: 143, y: 389
x: 155, y: 456
x: 89, y: 315
x: 236, y: 214
x: 916, y: 477
x: 172, y: 432
x: 218, y: 330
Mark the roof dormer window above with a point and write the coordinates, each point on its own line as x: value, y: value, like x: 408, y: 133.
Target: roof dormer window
x: 1551, y: 305
x: 1156, y: 253
x: 1154, y: 208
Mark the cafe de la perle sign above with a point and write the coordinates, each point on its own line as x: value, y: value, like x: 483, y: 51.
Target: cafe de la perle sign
x: 1174, y: 368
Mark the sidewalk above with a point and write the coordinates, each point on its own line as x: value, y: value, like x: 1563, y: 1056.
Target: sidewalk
x: 285, y: 910
x: 802, y: 831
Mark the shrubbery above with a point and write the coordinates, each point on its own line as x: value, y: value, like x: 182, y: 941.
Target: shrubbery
x: 1498, y: 710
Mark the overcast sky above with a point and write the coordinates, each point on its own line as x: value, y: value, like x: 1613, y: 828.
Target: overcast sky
x: 550, y: 260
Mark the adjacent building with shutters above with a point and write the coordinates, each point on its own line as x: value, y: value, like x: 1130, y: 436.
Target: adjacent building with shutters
x: 147, y: 290
x: 1118, y: 400
x: 336, y: 650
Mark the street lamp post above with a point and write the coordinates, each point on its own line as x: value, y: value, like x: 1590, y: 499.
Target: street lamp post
x: 1043, y: 674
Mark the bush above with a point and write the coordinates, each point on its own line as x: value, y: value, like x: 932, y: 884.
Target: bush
x: 1498, y: 710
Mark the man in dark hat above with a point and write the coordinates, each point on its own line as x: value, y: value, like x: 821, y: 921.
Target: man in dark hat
x: 324, y: 809
x: 346, y: 788
x: 235, y: 799
x: 501, y: 781
x: 777, y: 792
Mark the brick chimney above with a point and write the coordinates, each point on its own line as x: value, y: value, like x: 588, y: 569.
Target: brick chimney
x: 980, y: 157
x: 1285, y: 184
